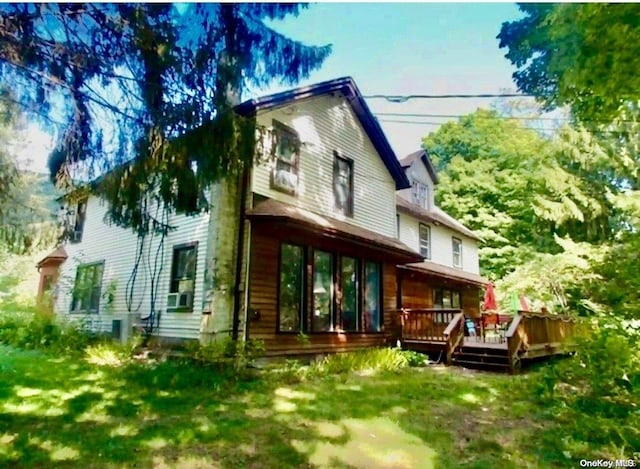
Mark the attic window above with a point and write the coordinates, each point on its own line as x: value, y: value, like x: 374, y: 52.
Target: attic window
x: 286, y: 154
x: 419, y: 193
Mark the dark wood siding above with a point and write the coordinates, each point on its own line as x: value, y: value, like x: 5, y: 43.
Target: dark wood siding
x: 263, y: 297
x: 417, y: 292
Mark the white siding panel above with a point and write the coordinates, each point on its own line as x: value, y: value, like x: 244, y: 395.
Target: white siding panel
x: 117, y: 248
x: 324, y: 124
x: 441, y: 243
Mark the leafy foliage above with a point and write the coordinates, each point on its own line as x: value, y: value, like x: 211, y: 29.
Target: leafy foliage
x: 582, y: 54
x: 519, y: 190
x: 146, y: 91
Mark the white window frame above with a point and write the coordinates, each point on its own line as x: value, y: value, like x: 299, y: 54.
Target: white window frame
x: 419, y: 193
x: 281, y: 179
x: 424, y: 245
x: 456, y: 253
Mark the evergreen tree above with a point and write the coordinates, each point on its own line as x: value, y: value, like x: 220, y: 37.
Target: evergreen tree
x: 146, y: 91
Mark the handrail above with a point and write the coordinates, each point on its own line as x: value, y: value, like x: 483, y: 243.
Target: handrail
x: 426, y: 324
x: 452, y: 324
x: 456, y: 325
x: 513, y: 327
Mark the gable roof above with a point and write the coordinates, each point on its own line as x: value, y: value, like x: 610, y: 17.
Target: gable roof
x: 347, y: 86
x: 435, y: 215
x: 424, y: 157
x: 58, y: 256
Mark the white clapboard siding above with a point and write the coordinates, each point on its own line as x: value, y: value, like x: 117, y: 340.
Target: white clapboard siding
x: 117, y: 248
x: 441, y: 243
x: 324, y: 124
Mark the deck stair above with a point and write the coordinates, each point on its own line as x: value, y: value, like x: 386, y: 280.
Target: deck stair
x: 481, y: 358
x: 526, y: 336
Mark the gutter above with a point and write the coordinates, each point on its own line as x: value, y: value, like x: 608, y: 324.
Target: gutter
x: 235, y: 328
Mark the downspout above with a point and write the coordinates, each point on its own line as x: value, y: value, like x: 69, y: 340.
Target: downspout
x: 240, y: 255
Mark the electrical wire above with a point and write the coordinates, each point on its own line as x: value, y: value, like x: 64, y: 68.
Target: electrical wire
x: 405, y: 98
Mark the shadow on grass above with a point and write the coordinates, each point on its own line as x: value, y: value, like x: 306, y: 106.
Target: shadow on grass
x: 69, y: 413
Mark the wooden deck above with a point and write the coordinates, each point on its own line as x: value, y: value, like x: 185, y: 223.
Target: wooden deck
x: 504, y: 344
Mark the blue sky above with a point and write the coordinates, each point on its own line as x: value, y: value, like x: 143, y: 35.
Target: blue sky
x: 410, y: 48
x: 398, y: 49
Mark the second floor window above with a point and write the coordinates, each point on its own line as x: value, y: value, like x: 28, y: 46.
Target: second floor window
x: 419, y: 194
x: 456, y: 245
x: 286, y: 153
x: 343, y: 185
x: 425, y: 241
x: 80, y: 213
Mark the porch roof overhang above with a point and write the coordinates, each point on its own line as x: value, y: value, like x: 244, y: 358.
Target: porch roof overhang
x: 439, y: 270
x: 55, y: 257
x: 272, y: 211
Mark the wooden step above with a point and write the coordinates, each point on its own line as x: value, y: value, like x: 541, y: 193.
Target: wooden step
x: 480, y: 365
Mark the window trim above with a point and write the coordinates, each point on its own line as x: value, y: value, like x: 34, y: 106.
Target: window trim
x: 99, y: 286
x: 302, y: 326
x: 77, y: 230
x: 178, y: 247
x: 453, y: 252
x: 307, y: 281
x: 278, y: 129
x: 428, y: 228
x: 337, y: 156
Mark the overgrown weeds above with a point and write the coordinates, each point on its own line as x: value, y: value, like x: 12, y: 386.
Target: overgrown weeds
x: 603, y: 382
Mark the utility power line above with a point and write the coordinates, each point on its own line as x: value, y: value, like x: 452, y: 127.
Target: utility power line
x: 405, y: 98
x: 406, y: 114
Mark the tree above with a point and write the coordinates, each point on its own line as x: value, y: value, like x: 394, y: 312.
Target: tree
x: 519, y: 190
x: 26, y: 218
x: 584, y: 55
x: 145, y: 91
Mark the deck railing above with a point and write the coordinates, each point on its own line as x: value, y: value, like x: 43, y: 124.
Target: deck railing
x: 427, y: 324
x: 538, y: 334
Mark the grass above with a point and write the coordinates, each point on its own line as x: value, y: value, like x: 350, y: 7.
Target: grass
x: 70, y: 412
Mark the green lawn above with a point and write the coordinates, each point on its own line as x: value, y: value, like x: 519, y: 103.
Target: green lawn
x: 66, y: 412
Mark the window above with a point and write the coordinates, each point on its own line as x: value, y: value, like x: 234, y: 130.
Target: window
x: 78, y: 221
x: 425, y: 241
x: 457, y: 252
x: 344, y: 293
x: 286, y: 153
x: 86, y: 290
x: 322, y: 319
x: 290, y: 288
x: 419, y: 193
x: 343, y: 185
x: 446, y: 299
x: 372, y: 297
x: 183, y: 278
x: 349, y: 301
x: 398, y: 225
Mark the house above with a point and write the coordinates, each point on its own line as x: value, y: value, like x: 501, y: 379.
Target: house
x: 312, y: 250
x: 449, y: 276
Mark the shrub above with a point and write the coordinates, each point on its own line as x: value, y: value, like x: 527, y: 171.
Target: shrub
x: 601, y: 381
x: 227, y: 353
x: 42, y: 331
x: 371, y: 360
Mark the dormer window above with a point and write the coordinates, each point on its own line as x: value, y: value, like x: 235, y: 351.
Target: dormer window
x: 286, y: 154
x: 419, y: 194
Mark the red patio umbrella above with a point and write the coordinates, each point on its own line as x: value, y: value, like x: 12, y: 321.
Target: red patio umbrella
x: 489, y: 299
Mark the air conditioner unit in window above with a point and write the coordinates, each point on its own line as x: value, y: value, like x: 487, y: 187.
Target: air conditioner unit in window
x: 180, y: 300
